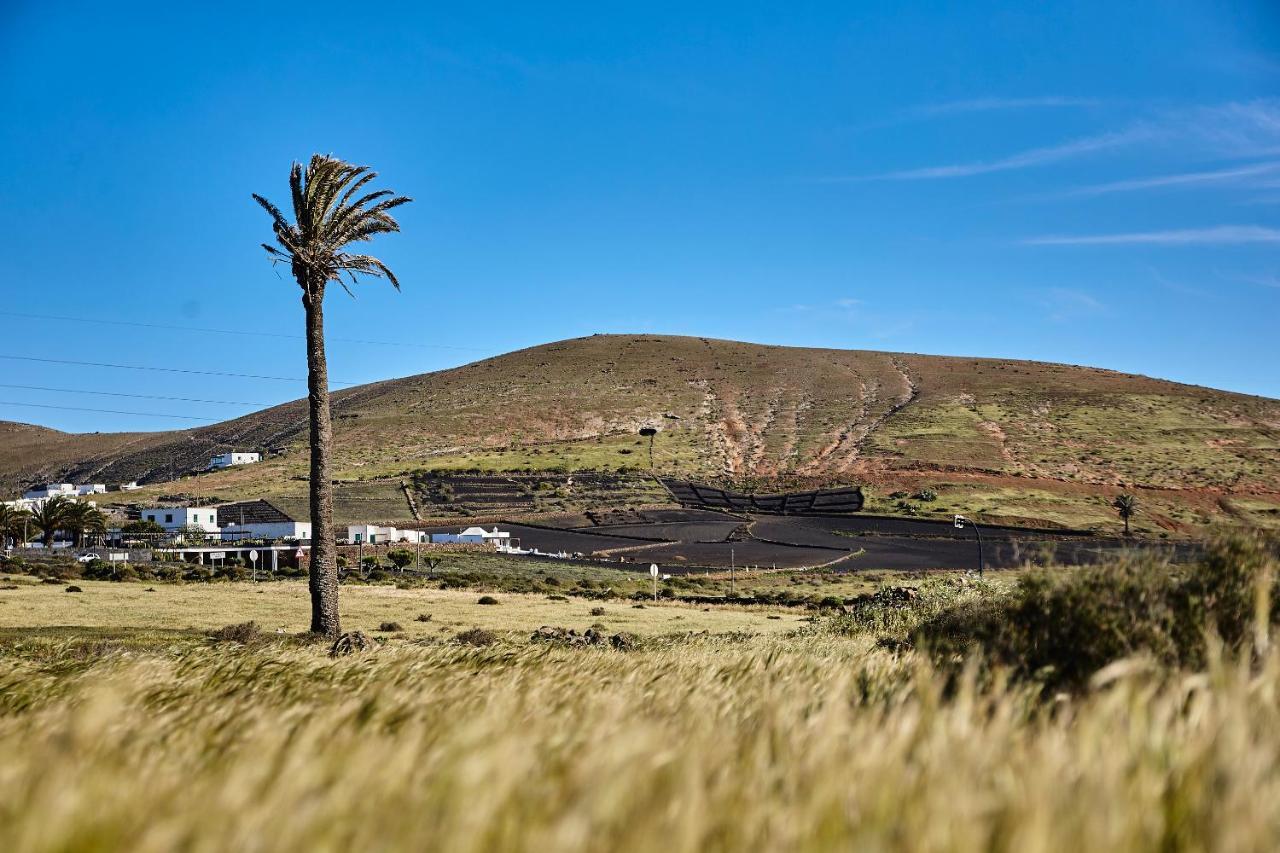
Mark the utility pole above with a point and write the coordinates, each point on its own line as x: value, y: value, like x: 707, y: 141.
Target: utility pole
x: 733, y: 587
x: 417, y: 555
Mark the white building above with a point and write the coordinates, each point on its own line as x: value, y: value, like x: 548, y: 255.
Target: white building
x: 178, y: 517
x: 372, y: 534
x: 500, y: 539
x: 91, y: 489
x: 130, y: 486
x: 51, y: 490
x: 260, y: 519
x: 226, y: 460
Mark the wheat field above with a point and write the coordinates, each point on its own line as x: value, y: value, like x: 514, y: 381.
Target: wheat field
x: 811, y: 741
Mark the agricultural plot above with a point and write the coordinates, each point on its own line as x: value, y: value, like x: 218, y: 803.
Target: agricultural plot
x: 822, y: 500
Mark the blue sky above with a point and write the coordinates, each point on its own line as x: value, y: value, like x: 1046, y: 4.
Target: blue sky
x: 1092, y: 183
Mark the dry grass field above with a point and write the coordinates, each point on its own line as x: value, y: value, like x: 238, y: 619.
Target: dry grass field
x: 127, y: 724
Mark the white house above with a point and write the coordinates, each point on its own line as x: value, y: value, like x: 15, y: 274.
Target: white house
x: 178, y: 517
x: 130, y: 486
x: 91, y: 489
x: 226, y: 460
x: 260, y: 519
x: 372, y: 534
x: 51, y: 490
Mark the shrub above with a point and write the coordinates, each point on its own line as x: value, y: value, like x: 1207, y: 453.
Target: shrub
x: 422, y: 617
x: 476, y: 637
x: 74, y: 588
x: 243, y: 633
x: 400, y: 558
x: 390, y: 627
x: 597, y: 611
x: 926, y: 495
x: 1062, y: 625
x: 230, y: 572
x: 487, y: 599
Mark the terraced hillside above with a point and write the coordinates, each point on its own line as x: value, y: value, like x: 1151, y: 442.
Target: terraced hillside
x: 1011, y: 439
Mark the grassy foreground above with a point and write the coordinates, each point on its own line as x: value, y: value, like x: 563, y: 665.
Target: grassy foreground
x: 1095, y: 719
x: 764, y: 743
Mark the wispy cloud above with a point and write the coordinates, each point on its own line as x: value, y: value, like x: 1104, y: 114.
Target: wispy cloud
x: 1218, y: 176
x: 1024, y: 159
x: 1264, y: 280
x: 1219, y: 235
x: 1064, y: 303
x: 985, y: 105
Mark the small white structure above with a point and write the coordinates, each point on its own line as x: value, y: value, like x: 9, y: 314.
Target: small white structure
x: 51, y: 490
x: 226, y: 460
x: 130, y: 486
x: 91, y: 489
x: 500, y: 539
x: 372, y: 534
x: 179, y: 517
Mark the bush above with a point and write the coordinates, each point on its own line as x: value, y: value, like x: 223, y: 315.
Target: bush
x: 400, y: 558
x: 422, y: 617
x: 74, y: 588
x: 926, y: 495
x: 476, y: 637
x: 243, y: 633
x: 101, y: 570
x: 487, y: 599
x: 597, y: 611
x: 230, y: 572
x: 1063, y: 625
x: 390, y: 627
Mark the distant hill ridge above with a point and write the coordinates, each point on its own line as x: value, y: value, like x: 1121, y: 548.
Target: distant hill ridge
x: 728, y: 412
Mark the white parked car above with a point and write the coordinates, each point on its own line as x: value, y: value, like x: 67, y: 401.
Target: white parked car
x: 87, y: 557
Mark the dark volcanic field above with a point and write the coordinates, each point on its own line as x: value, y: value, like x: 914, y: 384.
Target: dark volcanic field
x: 710, y: 540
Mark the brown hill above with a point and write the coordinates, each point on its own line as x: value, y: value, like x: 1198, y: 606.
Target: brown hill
x: 1013, y: 438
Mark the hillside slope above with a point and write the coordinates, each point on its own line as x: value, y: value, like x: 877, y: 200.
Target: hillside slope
x: 1027, y: 436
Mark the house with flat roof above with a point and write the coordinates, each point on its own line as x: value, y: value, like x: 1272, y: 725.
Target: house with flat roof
x: 182, y: 517
x: 233, y: 457
x: 372, y: 534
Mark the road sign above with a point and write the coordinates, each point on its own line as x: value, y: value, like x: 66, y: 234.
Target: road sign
x: 960, y: 520
x: 299, y: 553
x: 118, y: 556
x: 653, y: 570
x: 217, y: 555
x: 253, y: 555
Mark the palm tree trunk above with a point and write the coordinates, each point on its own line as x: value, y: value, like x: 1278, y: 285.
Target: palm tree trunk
x: 324, y: 563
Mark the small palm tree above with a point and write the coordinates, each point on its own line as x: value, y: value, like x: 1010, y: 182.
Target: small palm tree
x: 329, y: 215
x: 84, y: 519
x: 51, y: 517
x: 13, y: 521
x: 1125, y: 506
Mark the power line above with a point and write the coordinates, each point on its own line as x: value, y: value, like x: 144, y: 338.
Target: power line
x: 163, y: 369
x: 242, y: 332
x: 138, y: 396
x: 105, y: 411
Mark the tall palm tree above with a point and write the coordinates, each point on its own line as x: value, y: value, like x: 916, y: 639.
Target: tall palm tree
x: 329, y: 215
x: 51, y: 517
x: 1125, y: 506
